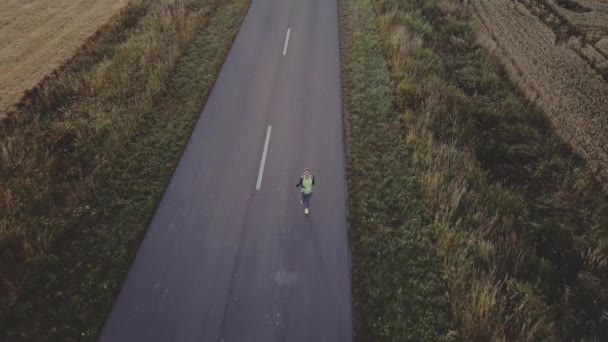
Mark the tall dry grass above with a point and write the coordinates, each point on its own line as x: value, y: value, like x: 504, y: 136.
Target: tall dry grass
x: 602, y: 45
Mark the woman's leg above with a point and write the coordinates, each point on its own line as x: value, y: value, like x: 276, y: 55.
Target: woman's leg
x: 307, y: 200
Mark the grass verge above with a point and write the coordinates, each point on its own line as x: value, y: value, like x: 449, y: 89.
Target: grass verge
x: 399, y: 294
x: 81, y: 178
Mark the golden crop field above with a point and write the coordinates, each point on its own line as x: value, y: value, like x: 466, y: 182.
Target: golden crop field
x: 559, y: 63
x: 38, y: 36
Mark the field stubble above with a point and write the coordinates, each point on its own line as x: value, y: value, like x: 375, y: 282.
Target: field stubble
x: 556, y: 67
x: 37, y: 37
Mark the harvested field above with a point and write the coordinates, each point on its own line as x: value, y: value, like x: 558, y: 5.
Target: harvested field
x: 38, y: 36
x: 552, y: 57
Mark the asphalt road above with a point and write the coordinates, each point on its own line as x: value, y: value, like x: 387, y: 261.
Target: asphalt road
x: 223, y: 261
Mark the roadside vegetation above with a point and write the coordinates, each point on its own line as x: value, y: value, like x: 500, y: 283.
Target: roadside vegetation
x: 519, y: 221
x: 85, y: 161
x: 399, y: 294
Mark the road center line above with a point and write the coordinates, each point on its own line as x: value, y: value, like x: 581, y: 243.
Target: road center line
x: 258, y: 185
x: 286, y: 42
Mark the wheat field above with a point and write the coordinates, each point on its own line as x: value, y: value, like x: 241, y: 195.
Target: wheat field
x: 38, y: 36
x: 559, y: 66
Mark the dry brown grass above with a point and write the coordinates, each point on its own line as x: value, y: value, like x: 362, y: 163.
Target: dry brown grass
x: 38, y: 36
x: 564, y: 78
x: 602, y: 45
x: 589, y: 15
